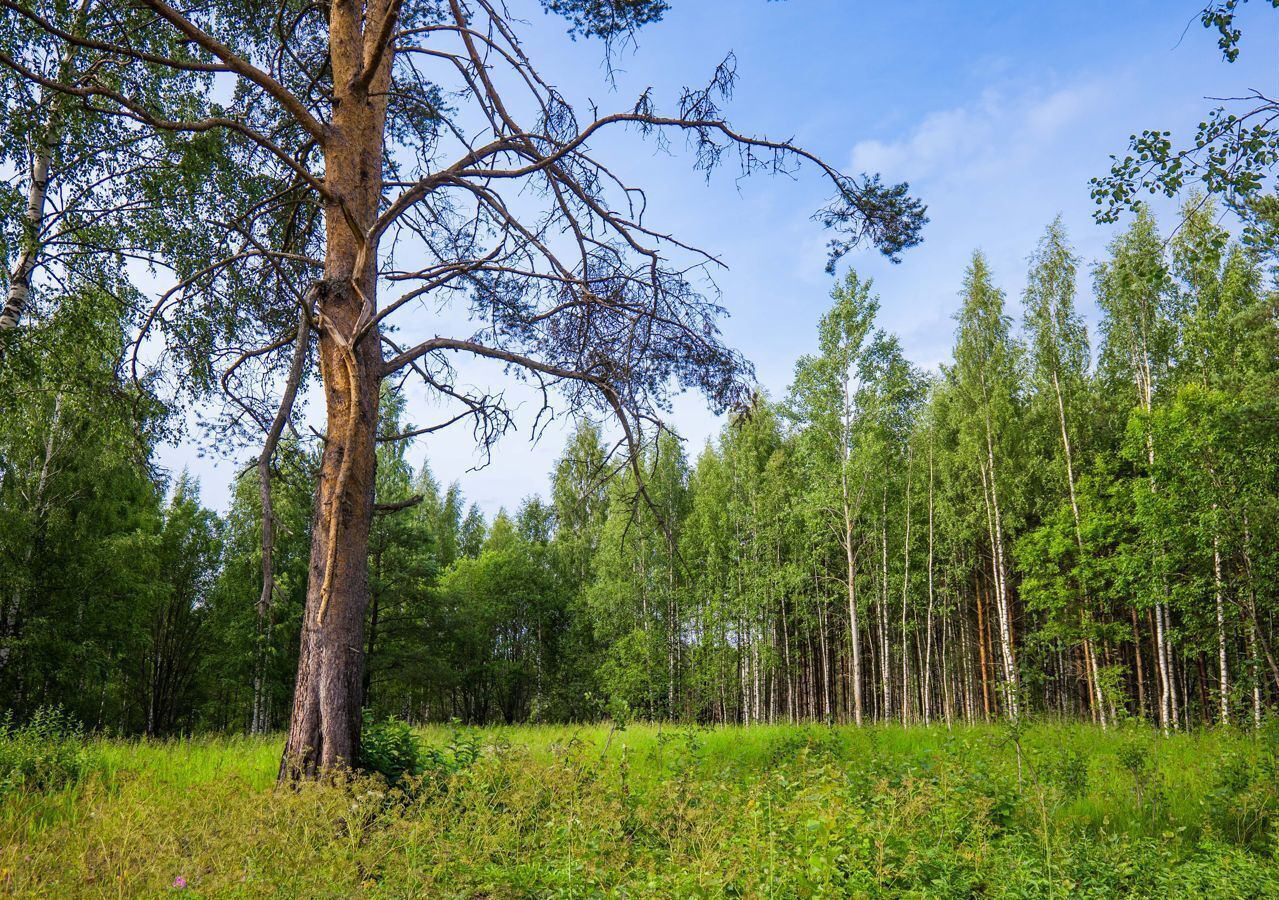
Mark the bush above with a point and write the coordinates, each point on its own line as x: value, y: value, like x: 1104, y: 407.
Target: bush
x: 462, y: 750
x: 394, y: 750
x: 1070, y: 773
x: 1243, y: 803
x: 390, y: 749
x: 45, y: 754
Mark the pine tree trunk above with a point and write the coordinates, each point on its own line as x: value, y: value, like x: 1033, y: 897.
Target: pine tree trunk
x: 1138, y: 664
x: 325, y: 728
x: 324, y: 732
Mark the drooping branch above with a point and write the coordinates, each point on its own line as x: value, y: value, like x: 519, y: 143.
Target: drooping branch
x: 287, y: 399
x: 131, y: 109
x: 242, y: 67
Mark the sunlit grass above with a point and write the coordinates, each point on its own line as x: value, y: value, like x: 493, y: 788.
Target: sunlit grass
x: 672, y: 811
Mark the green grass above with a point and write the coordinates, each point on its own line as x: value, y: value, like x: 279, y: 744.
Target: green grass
x: 653, y: 811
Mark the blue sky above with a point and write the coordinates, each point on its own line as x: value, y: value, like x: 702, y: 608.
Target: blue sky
x: 997, y: 113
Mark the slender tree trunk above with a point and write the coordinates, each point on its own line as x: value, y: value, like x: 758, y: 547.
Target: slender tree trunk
x: 981, y: 647
x: 1254, y: 664
x: 38, y: 502
x: 825, y: 647
x: 946, y: 681
x: 1138, y: 664
x: 905, y: 692
x: 1143, y: 380
x: 785, y: 657
x: 1161, y: 657
x: 371, y: 642
x: 1223, y: 671
x: 1095, y: 694
x: 850, y: 560
x: 261, y: 723
x: 928, y: 624
x: 999, y: 576
x: 20, y: 276
x: 1258, y: 633
x: 885, y: 664
x: 46, y: 143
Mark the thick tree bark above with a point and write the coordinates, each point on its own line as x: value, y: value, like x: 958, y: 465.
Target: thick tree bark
x: 325, y: 729
x: 324, y: 733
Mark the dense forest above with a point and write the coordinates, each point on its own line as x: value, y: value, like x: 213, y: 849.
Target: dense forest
x: 1060, y: 522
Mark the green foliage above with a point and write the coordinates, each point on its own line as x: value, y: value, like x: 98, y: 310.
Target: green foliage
x: 655, y: 812
x: 1070, y: 773
x: 1243, y: 801
x: 396, y: 751
x: 461, y: 751
x: 391, y: 749
x: 1232, y: 154
x: 47, y: 753
x: 607, y: 18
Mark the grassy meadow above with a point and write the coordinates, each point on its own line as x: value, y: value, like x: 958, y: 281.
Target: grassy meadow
x: 655, y: 811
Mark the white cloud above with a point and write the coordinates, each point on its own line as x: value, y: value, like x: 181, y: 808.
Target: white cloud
x: 999, y: 125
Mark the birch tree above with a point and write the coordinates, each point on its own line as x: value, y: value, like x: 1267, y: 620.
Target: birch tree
x: 986, y: 377
x: 1059, y: 365
x: 1132, y: 289
x: 825, y: 398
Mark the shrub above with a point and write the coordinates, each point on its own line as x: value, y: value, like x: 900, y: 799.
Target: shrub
x: 1243, y: 802
x: 45, y: 754
x: 1070, y: 773
x: 390, y: 749
x: 462, y: 750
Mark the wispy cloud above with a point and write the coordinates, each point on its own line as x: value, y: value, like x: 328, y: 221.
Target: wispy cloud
x: 1002, y: 125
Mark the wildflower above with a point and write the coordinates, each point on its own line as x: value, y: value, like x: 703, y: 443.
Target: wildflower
x: 180, y: 883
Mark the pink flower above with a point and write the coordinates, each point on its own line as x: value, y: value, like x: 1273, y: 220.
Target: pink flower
x: 179, y: 882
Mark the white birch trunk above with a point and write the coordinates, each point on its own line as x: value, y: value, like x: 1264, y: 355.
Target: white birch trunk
x: 905, y: 692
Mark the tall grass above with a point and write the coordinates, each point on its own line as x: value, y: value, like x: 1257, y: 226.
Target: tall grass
x: 662, y: 811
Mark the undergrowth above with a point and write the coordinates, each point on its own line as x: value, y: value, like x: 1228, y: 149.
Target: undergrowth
x: 44, y: 754
x: 662, y: 811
